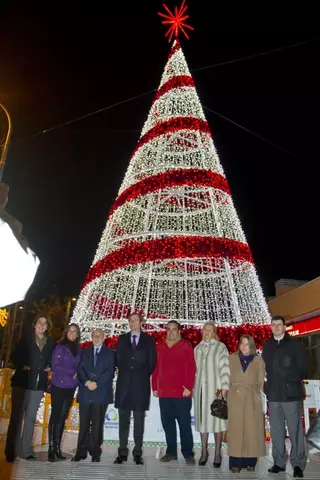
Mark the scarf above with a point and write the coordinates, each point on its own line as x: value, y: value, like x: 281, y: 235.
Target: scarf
x: 245, y: 361
x: 73, y: 347
x: 40, y: 341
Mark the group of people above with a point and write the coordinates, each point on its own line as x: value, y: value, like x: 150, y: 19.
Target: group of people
x: 178, y: 374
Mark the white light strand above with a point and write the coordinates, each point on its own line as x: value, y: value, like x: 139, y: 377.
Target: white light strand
x: 190, y: 290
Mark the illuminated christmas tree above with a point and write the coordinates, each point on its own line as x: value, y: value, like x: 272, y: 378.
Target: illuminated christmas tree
x: 173, y: 246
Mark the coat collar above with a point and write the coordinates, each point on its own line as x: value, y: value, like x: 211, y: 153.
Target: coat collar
x: 100, y: 354
x: 141, y: 339
x: 211, y: 342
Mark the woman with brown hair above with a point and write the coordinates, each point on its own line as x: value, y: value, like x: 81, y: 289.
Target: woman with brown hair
x: 212, y: 361
x: 32, y: 360
x: 65, y: 360
x: 246, y: 438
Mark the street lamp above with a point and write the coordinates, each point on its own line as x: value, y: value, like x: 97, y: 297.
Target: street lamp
x: 5, y: 143
x: 70, y: 300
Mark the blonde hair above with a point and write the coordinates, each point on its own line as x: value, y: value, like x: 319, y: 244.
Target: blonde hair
x: 214, y: 328
x: 252, y: 344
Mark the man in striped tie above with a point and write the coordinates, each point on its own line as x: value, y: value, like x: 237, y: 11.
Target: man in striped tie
x: 95, y: 375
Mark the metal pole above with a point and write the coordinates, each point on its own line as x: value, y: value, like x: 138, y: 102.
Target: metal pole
x: 67, y: 312
x: 11, y: 333
x: 68, y: 309
x: 4, y: 341
x: 4, y: 147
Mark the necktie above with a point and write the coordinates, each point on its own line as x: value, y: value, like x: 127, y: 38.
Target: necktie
x: 95, y: 358
x: 134, y: 343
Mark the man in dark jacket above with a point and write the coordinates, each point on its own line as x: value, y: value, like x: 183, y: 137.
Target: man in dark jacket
x: 95, y: 374
x: 286, y: 366
x: 136, y: 360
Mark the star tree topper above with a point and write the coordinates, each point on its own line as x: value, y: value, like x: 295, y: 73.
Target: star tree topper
x: 176, y: 21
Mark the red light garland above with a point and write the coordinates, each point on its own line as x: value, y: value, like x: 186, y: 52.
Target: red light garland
x: 174, y: 82
x: 176, y: 46
x: 170, y: 248
x: 173, y: 125
x: 178, y: 177
x: 230, y: 336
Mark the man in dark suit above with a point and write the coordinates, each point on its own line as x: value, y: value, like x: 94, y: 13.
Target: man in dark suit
x: 95, y: 374
x: 136, y: 359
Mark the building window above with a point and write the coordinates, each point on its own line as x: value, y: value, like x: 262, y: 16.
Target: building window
x: 312, y: 345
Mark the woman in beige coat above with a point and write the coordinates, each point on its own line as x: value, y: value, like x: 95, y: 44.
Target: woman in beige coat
x: 246, y: 437
x: 212, y: 361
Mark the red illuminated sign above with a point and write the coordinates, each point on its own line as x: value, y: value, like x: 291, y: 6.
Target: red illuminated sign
x: 305, y: 327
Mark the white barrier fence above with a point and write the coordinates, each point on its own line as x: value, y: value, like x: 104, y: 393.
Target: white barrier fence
x: 312, y: 399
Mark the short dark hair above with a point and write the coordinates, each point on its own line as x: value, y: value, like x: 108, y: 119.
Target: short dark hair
x: 41, y: 315
x: 278, y: 317
x: 176, y: 323
x: 141, y: 317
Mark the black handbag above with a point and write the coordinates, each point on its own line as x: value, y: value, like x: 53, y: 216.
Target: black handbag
x: 219, y: 408
x: 313, y: 435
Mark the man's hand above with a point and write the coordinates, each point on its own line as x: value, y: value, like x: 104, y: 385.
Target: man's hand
x: 26, y: 367
x: 48, y: 369
x: 75, y: 376
x: 155, y: 393
x: 186, y: 392
x: 91, y: 385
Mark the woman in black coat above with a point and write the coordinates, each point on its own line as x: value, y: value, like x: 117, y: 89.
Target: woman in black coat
x: 32, y: 361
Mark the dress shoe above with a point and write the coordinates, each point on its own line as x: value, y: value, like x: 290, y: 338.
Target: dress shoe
x: 276, y: 469
x: 190, y: 461
x: 235, y: 470
x: 10, y: 458
x: 215, y: 463
x: 120, y: 459
x: 30, y: 457
x: 138, y: 460
x: 95, y: 459
x: 77, y: 458
x: 59, y: 454
x: 167, y: 458
x: 203, y: 459
x: 297, y: 472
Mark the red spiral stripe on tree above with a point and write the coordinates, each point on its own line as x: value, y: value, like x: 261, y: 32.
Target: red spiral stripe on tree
x: 169, y: 248
x: 174, y: 178
x: 173, y: 125
x: 174, y: 82
x: 174, y: 49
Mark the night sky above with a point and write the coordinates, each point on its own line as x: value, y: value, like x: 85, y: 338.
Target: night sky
x: 58, y: 64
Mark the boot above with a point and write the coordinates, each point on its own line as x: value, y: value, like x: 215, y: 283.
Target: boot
x: 51, y: 451
x: 57, y: 442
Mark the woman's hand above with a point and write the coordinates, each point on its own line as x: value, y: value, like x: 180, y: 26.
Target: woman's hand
x: 221, y: 394
x: 224, y: 393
